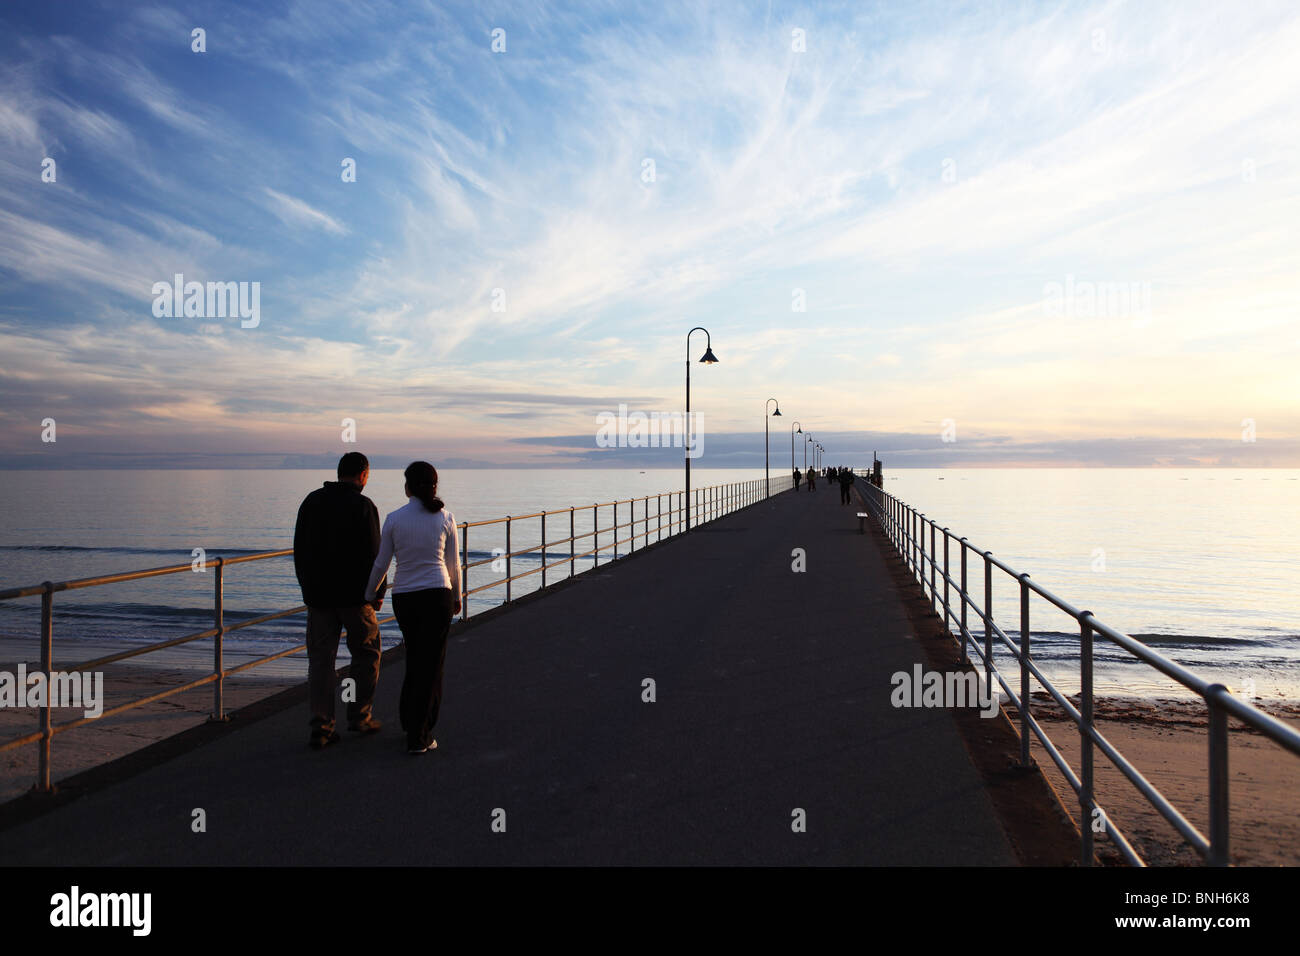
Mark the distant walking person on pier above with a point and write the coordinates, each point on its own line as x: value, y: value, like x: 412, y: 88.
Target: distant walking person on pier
x: 798, y: 476
x: 846, y: 483
x: 812, y: 479
x: 426, y: 596
x: 335, y: 541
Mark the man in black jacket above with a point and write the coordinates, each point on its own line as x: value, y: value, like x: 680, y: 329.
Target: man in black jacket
x: 846, y: 483
x: 335, y: 542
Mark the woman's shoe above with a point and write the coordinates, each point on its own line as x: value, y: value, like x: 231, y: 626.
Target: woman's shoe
x: 417, y: 749
x: 319, y: 741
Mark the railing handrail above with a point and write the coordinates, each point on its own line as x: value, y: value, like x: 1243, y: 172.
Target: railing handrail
x: 706, y: 504
x: 77, y: 583
x: 902, y: 524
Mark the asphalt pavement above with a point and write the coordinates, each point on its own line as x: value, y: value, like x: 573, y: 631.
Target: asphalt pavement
x: 771, y: 738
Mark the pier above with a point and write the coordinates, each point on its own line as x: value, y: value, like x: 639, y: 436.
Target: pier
x: 703, y: 700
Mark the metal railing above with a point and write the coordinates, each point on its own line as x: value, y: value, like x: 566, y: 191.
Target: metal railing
x: 706, y: 504
x: 906, y: 529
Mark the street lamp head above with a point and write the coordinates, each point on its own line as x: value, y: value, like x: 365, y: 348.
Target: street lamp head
x: 709, y: 358
x: 777, y: 413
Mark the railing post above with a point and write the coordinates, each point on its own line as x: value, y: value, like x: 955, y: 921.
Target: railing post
x: 920, y: 533
x: 508, y: 564
x: 659, y: 517
x: 572, y: 539
x: 615, y: 529
x: 1085, y: 739
x: 1024, y: 670
x: 965, y: 657
x: 911, y: 540
x: 543, y: 550
x: 1219, y: 820
x: 934, y: 595
x: 464, y: 574
x: 988, y: 625
x: 218, y: 642
x: 906, y: 530
x: 919, y: 545
x: 595, y: 537
x: 946, y: 609
x: 47, y: 666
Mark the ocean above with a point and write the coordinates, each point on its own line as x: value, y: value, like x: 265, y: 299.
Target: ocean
x: 1198, y: 563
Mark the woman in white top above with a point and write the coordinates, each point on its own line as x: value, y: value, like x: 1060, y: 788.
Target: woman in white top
x: 426, y: 596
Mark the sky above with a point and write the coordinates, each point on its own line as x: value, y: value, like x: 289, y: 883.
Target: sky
x: 956, y: 234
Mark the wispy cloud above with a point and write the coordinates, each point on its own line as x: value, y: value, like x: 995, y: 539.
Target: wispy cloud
x: 550, y: 220
x: 295, y: 212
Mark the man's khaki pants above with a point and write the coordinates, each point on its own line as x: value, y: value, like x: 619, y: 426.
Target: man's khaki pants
x: 324, y: 625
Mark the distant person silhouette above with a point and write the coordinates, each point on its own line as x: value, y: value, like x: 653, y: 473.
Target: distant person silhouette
x: 335, y: 540
x: 812, y: 479
x: 426, y: 596
x: 846, y: 483
x: 798, y: 477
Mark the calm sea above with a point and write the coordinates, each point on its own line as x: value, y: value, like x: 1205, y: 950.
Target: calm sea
x: 1200, y: 564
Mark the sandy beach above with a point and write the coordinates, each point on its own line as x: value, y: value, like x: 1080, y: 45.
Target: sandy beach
x: 1167, y: 740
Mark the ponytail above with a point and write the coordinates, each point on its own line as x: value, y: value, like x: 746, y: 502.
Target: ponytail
x: 422, y: 479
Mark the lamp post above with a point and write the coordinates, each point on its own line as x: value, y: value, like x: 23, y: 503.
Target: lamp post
x: 794, y: 427
x: 708, y: 359
x: 767, y: 445
x: 807, y: 441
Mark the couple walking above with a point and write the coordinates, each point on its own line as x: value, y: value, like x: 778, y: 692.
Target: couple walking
x: 341, y: 557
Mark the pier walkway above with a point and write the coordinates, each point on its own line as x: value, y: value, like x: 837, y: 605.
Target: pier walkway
x: 772, y: 695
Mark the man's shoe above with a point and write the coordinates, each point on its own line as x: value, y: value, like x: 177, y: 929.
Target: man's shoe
x: 417, y: 749
x: 319, y: 741
x: 367, y: 726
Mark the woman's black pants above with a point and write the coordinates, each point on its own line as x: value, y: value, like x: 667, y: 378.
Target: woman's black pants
x: 425, y: 618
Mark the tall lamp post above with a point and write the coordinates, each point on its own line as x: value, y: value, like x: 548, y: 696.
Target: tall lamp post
x: 708, y: 359
x: 806, y: 443
x: 767, y: 445
x: 794, y: 427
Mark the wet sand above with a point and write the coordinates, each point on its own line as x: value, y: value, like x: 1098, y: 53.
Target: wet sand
x: 1168, y: 742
